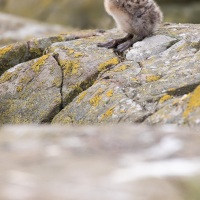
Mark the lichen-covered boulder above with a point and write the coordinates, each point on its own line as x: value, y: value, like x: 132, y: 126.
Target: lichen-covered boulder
x: 156, y: 81
x: 152, y: 86
x: 31, y: 91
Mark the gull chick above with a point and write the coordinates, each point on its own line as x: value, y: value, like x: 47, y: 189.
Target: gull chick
x: 137, y: 18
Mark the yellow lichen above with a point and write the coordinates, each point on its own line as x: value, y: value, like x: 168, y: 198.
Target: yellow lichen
x: 109, y: 93
x: 113, y: 61
x: 57, y: 100
x: 70, y: 51
x: 6, y: 77
x: 57, y: 82
x: 5, y: 49
x: 81, y: 97
x: 78, y: 42
x: 193, y: 102
x: 25, y: 80
x: 165, y: 98
x: 94, y: 101
x: 108, y: 113
x: 78, y: 54
x: 134, y: 79
x: 37, y: 65
x: 152, y: 78
x: 121, y: 68
x: 171, y: 90
x: 19, y: 88
x: 70, y: 67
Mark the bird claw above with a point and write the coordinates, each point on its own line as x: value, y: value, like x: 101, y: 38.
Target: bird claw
x: 123, y: 47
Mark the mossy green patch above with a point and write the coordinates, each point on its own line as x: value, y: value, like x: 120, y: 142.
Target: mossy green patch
x: 36, y: 67
x: 193, y: 102
x: 113, y: 61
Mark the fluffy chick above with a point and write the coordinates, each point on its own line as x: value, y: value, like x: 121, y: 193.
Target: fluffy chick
x: 137, y: 18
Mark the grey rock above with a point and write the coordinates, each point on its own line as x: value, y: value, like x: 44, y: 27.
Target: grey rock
x: 27, y: 88
x: 149, y: 47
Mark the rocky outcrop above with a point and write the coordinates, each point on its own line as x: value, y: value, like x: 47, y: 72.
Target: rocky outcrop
x: 95, y: 163
x: 67, y: 79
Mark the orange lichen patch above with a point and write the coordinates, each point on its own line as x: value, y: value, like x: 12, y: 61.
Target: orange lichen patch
x: 109, y: 93
x: 5, y: 49
x: 113, y: 61
x: 81, y: 97
x: 36, y: 67
x: 108, y: 113
x: 152, y: 78
x: 193, y: 102
x: 94, y: 101
x: 165, y: 98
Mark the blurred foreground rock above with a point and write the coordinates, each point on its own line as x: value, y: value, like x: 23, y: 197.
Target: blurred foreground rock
x: 124, y: 162
x: 67, y: 79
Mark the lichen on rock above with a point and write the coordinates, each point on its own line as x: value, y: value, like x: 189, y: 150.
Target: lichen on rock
x: 74, y: 82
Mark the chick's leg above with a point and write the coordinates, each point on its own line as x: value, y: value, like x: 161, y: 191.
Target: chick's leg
x: 116, y: 42
x: 127, y: 44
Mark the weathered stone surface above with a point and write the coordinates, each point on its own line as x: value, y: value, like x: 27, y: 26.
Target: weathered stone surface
x: 149, y: 47
x: 19, y: 52
x: 27, y: 88
x: 135, y: 91
x: 156, y: 81
x: 94, y: 163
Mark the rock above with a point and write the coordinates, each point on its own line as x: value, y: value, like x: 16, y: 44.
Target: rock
x: 156, y: 81
x: 105, y: 162
x: 27, y: 95
x: 149, y: 47
x: 16, y: 29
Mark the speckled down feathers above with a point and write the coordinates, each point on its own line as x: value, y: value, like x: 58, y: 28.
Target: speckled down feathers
x: 136, y: 17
